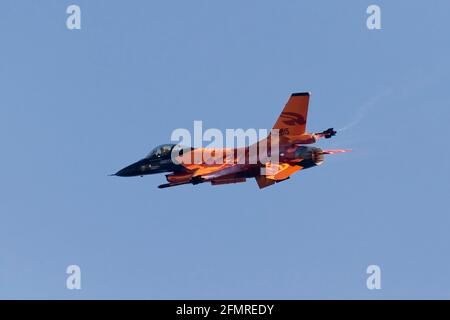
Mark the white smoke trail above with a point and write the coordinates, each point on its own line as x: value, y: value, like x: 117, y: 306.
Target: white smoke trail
x: 414, y: 81
x: 365, y: 108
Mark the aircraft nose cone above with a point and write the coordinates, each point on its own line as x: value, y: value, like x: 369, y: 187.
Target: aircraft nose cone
x: 129, y: 171
x: 123, y: 172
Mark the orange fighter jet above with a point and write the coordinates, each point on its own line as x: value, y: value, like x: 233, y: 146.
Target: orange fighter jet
x: 270, y: 160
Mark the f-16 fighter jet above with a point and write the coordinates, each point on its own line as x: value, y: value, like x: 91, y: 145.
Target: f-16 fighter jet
x: 270, y: 160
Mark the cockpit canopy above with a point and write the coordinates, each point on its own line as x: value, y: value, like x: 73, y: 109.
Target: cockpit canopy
x: 161, y: 151
x: 165, y: 151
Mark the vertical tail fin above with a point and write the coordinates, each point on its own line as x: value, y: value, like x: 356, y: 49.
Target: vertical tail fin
x: 292, y: 121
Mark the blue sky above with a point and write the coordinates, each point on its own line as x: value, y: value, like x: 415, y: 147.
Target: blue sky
x: 78, y: 105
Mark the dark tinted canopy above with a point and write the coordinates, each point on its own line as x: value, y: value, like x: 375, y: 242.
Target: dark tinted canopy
x: 160, y: 151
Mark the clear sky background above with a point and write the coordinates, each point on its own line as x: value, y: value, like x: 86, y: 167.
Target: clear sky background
x: 78, y: 105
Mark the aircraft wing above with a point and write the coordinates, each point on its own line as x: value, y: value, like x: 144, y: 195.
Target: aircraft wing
x: 206, y: 168
x: 214, y: 172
